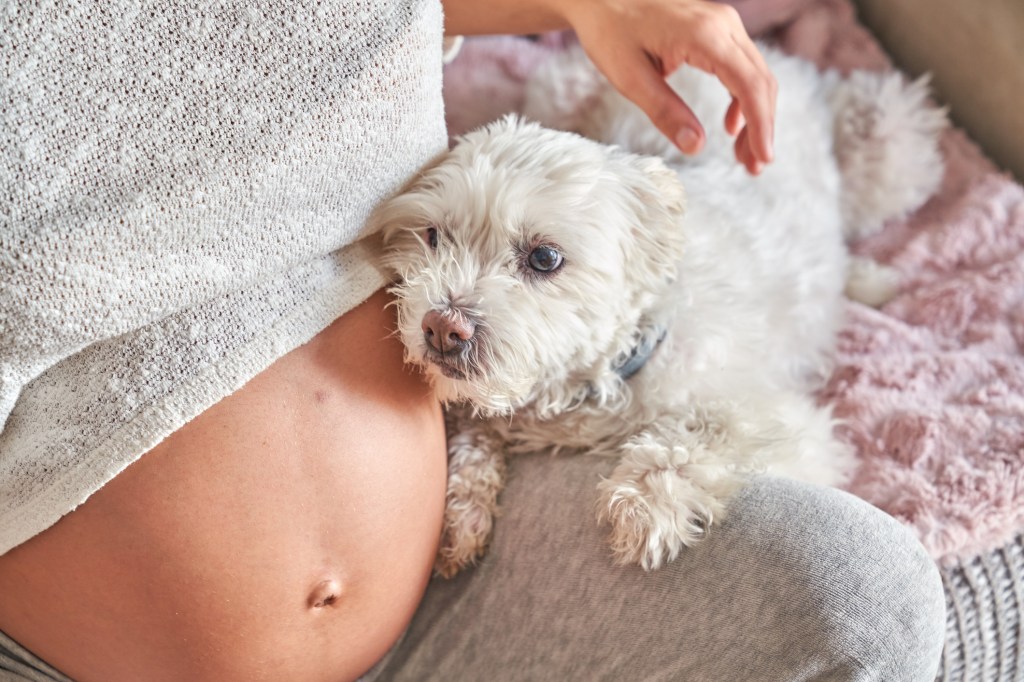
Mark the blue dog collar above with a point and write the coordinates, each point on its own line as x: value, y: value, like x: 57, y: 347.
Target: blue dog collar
x: 640, y: 354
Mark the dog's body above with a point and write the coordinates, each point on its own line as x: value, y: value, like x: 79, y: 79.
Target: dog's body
x: 557, y: 288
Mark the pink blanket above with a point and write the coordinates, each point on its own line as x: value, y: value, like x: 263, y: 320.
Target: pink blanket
x: 931, y: 387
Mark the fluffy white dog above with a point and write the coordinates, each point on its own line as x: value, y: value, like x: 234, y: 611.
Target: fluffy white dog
x: 567, y: 295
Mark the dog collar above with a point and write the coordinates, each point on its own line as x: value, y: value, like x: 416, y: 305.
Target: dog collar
x: 640, y: 354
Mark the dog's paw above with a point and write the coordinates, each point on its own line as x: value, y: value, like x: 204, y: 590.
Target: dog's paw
x: 651, y: 533
x: 467, y: 531
x: 661, y: 499
x: 476, y: 474
x: 870, y: 282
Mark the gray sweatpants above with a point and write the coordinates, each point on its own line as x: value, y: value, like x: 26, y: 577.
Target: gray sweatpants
x: 799, y: 583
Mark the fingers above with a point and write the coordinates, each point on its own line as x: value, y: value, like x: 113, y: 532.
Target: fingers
x: 725, y: 50
x: 637, y: 44
x: 734, y: 118
x: 755, y: 90
x: 746, y: 155
x: 646, y: 87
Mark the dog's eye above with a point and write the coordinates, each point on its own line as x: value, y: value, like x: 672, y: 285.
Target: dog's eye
x: 545, y: 259
x: 431, y: 237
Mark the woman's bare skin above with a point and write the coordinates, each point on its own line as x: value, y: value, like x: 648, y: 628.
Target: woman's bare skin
x: 286, y: 533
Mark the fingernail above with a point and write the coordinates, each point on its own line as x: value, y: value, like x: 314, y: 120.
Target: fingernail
x: 688, y: 139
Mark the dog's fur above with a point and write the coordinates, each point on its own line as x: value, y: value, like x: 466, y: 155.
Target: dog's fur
x: 743, y: 288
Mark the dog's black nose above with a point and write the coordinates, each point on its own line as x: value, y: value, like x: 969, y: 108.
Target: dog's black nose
x: 447, y: 332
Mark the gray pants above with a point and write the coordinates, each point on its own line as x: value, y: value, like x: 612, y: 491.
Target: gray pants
x: 17, y: 664
x: 799, y: 583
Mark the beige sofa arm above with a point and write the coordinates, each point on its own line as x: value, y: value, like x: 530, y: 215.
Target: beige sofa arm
x: 975, y: 51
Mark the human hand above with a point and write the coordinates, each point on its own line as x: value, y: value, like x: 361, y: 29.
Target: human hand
x: 637, y: 43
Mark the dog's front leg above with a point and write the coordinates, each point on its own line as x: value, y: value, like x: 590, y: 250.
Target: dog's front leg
x: 476, y: 474
x: 670, y: 485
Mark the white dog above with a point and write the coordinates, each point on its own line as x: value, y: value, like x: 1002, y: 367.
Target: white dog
x: 556, y: 288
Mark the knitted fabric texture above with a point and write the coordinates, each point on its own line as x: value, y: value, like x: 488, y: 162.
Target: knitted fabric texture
x: 984, y: 607
x: 182, y: 193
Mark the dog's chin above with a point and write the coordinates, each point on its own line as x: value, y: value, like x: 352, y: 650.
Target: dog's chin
x: 447, y: 369
x: 453, y: 383
x: 457, y: 367
x: 449, y: 378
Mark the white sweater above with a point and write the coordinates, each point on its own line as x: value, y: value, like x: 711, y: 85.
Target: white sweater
x: 182, y: 190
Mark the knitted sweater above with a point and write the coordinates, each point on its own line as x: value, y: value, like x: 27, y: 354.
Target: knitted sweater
x: 183, y: 187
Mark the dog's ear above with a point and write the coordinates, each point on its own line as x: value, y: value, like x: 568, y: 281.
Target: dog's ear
x: 392, y: 216
x: 657, y: 232
x: 399, y: 222
x: 562, y: 90
x: 665, y: 182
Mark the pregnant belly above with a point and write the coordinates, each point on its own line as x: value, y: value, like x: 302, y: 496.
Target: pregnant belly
x: 286, y: 533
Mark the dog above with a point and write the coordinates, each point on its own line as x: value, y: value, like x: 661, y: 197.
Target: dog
x: 564, y: 292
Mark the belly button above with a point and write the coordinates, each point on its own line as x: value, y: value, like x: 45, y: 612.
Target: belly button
x: 325, y: 593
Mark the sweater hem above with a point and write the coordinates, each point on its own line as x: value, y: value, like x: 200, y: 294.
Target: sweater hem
x: 128, y: 443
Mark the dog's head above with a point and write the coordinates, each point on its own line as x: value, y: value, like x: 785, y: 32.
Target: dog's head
x: 527, y: 259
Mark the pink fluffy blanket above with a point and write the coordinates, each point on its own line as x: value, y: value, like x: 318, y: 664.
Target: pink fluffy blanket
x: 931, y: 387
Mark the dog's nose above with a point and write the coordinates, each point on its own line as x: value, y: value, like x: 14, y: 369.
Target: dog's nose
x: 447, y: 333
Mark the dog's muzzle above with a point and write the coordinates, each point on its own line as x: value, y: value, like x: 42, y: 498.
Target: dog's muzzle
x: 450, y: 337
